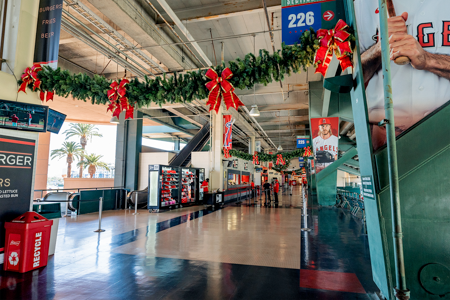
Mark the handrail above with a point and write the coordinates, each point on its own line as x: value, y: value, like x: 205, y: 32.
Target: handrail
x: 77, y: 189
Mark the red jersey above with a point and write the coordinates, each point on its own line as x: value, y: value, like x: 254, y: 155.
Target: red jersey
x: 205, y: 186
x: 276, y: 188
x: 253, y: 185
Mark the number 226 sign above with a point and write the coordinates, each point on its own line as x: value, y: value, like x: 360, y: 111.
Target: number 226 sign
x: 299, y: 16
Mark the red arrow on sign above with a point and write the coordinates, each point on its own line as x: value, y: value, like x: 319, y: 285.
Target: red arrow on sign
x: 328, y: 15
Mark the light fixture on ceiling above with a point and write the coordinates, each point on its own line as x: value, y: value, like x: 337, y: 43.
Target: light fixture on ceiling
x: 279, y: 134
x: 254, y: 112
x: 114, y: 120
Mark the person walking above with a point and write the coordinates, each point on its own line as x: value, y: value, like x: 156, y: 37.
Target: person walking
x: 30, y: 117
x: 253, y: 189
x: 276, y: 189
x: 14, y: 120
x: 267, y: 191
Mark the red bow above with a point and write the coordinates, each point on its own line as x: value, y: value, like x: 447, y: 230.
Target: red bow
x: 280, y: 160
x: 293, y: 173
x: 226, y: 153
x: 30, y: 75
x: 219, y: 87
x: 255, y: 158
x: 119, y: 101
x: 307, y: 152
x: 333, y: 40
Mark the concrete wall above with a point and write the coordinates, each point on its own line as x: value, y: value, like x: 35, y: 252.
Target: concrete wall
x: 151, y: 158
x: 43, y: 152
x: 19, y: 49
x: 75, y: 183
x: 346, y: 179
x: 201, y: 160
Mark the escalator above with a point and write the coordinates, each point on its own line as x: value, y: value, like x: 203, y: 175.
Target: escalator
x: 182, y: 159
x: 198, y: 142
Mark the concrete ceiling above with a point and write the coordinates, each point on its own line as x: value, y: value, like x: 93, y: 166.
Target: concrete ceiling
x: 96, y: 33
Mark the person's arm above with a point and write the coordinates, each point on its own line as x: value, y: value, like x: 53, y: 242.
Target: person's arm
x: 371, y: 61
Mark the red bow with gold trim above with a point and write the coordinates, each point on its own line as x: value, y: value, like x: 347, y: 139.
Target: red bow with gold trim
x: 333, y: 40
x: 119, y: 102
x: 255, y: 158
x: 307, y: 152
x: 226, y: 153
x: 293, y: 173
x: 30, y: 75
x: 219, y: 87
x: 280, y: 160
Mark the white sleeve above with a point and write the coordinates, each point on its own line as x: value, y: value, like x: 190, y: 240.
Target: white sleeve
x: 363, y: 24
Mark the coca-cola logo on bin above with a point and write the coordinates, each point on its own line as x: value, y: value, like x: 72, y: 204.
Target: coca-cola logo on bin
x: 15, y: 243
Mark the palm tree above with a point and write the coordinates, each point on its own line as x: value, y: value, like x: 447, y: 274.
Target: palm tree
x: 84, y: 132
x: 92, y: 162
x: 69, y: 150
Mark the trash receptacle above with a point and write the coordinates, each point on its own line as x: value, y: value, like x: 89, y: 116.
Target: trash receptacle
x: 27, y: 241
x: 51, y: 211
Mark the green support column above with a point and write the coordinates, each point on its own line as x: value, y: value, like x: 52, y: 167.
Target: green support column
x: 128, y: 148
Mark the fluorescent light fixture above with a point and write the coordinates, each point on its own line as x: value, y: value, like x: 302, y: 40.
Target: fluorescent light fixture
x: 254, y: 112
x: 114, y: 120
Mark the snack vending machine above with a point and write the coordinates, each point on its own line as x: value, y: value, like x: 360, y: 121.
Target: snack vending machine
x: 163, y: 187
x: 188, y: 185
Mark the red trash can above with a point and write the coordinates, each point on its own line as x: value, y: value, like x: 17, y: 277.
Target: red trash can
x: 27, y: 242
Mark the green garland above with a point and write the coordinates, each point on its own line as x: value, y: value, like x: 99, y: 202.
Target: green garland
x: 187, y: 87
x: 287, y: 156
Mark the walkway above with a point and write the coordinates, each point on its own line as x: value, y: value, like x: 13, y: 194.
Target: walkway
x: 243, y: 252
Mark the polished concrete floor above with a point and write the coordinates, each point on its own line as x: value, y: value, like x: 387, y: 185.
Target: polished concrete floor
x: 236, y: 252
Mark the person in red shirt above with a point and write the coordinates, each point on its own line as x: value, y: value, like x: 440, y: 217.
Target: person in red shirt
x: 29, y: 119
x: 14, y: 120
x: 204, y: 185
x: 276, y: 189
x: 253, y: 188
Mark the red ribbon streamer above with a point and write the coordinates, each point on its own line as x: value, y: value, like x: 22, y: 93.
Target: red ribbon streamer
x: 119, y: 102
x: 333, y: 40
x: 30, y: 75
x: 280, y: 160
x: 226, y: 153
x: 307, y: 152
x: 219, y: 87
x: 255, y: 158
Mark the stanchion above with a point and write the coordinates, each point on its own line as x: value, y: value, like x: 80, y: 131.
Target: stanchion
x: 100, y: 208
x: 305, y: 212
x: 135, y: 203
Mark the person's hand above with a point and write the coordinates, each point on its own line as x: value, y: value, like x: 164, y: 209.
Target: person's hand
x: 406, y: 45
x: 397, y: 24
x: 403, y: 44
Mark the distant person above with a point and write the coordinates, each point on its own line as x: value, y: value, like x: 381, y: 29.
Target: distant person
x: 253, y: 188
x: 204, y: 185
x: 14, y: 120
x: 276, y: 189
x: 29, y: 119
x: 267, y: 190
x: 291, y: 185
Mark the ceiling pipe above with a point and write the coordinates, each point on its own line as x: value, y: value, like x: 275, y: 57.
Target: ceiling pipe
x: 104, y: 27
x: 184, y: 30
x: 106, y: 41
x: 71, y: 28
x: 174, y: 32
x: 271, y: 38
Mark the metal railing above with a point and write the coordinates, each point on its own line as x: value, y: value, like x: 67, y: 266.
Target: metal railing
x: 74, y: 190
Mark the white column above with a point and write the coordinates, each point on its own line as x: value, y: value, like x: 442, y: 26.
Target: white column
x: 216, y: 172
x: 252, y: 145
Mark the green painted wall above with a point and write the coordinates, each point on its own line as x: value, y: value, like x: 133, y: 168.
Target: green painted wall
x: 424, y: 164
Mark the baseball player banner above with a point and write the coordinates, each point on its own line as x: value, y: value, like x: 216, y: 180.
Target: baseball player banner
x: 419, y: 31
x: 227, y: 132
x: 325, y: 133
